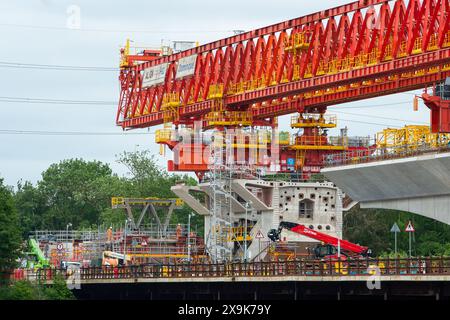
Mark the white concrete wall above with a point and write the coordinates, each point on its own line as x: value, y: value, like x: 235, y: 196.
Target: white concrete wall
x: 273, y: 202
x: 325, y: 212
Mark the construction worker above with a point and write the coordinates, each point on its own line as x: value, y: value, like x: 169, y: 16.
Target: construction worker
x: 109, y: 238
x: 109, y: 234
x: 179, y: 230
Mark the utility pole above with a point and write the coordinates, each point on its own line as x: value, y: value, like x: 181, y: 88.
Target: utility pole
x: 395, y: 230
x: 67, y: 230
x: 69, y: 225
x: 339, y: 248
x: 125, y: 242
x: 247, y: 205
x: 410, y: 230
x: 189, y: 237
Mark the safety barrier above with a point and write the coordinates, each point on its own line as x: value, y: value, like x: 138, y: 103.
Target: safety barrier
x: 420, y: 267
x: 347, y: 158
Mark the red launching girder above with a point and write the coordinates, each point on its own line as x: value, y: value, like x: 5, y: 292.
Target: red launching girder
x: 356, y: 51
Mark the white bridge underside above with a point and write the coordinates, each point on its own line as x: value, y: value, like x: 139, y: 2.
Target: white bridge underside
x: 419, y: 184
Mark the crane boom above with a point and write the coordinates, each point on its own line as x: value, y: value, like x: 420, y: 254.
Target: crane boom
x: 345, y: 245
x: 41, y: 261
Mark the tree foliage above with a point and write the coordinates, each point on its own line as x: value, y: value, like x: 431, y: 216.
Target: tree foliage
x: 10, y: 237
x: 372, y: 227
x: 26, y: 290
x: 79, y: 192
x: 71, y: 193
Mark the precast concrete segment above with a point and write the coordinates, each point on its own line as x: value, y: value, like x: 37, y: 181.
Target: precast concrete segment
x: 418, y: 184
x: 421, y: 176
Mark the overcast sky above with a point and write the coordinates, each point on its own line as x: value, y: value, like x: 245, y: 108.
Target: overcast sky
x: 35, y: 32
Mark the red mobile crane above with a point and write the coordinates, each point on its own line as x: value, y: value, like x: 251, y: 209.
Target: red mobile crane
x: 326, y: 250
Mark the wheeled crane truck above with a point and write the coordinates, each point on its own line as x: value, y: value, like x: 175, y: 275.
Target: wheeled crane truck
x: 329, y: 247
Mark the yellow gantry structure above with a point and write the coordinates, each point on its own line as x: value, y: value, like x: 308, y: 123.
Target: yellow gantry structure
x: 120, y: 202
x: 314, y: 138
x: 410, y: 138
x: 233, y: 234
x: 298, y: 42
x: 221, y: 117
x: 242, y: 139
x: 313, y: 120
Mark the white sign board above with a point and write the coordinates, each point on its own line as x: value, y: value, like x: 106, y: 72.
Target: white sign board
x: 179, y: 46
x: 409, y: 227
x: 259, y: 235
x: 395, y: 228
x: 154, y: 75
x: 186, y: 66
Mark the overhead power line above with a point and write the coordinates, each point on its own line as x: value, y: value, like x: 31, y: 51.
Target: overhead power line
x: 56, y: 101
x: 155, y: 31
x: 18, y: 65
x: 69, y: 133
x: 80, y: 133
x: 374, y: 105
x: 372, y: 123
x: 379, y: 117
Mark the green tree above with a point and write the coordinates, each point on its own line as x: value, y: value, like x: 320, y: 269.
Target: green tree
x: 26, y: 290
x: 146, y: 178
x: 79, y: 192
x: 72, y: 194
x: 371, y: 227
x: 58, y: 290
x: 10, y: 234
x: 30, y: 205
x: 20, y: 290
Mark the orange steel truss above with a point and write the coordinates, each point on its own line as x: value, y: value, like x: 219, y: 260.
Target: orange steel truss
x: 360, y: 50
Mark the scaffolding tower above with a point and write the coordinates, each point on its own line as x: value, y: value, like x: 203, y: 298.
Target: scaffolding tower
x: 220, y: 205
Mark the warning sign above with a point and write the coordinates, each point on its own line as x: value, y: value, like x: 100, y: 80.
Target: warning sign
x: 409, y: 227
x: 259, y: 235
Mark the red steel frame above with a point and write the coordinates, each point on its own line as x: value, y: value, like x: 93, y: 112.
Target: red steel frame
x: 342, y: 32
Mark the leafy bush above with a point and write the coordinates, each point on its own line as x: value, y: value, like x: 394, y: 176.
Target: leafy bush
x: 26, y: 290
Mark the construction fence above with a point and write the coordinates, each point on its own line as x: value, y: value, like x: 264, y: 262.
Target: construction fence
x: 431, y: 266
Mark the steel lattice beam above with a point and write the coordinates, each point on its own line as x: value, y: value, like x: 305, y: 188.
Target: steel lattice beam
x: 381, y: 47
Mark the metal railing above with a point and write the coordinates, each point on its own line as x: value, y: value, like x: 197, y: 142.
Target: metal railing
x: 294, y: 177
x: 147, y: 230
x: 347, y: 158
x: 68, y: 235
x: 314, y: 119
x: 318, y: 141
x: 420, y: 267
